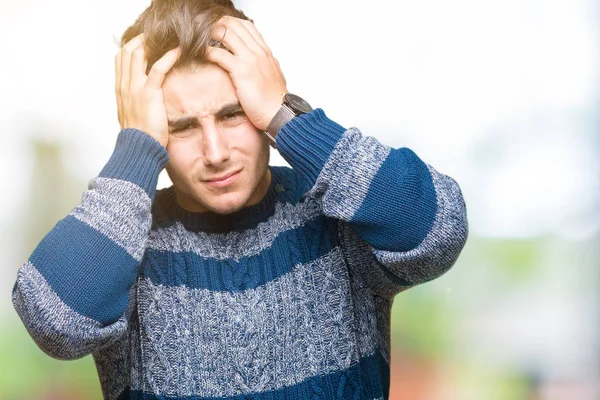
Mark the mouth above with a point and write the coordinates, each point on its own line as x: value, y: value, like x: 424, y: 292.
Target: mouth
x: 223, y: 180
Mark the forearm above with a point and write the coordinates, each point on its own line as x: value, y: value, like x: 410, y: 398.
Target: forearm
x: 82, y: 272
x: 386, y: 194
x: 411, y: 217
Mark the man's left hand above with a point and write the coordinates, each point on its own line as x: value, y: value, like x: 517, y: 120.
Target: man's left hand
x: 255, y: 73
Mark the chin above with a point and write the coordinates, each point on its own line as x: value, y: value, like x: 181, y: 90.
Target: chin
x: 227, y: 204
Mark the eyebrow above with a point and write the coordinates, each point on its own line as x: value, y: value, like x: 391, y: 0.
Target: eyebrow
x: 228, y: 110
x: 178, y: 123
x: 188, y: 121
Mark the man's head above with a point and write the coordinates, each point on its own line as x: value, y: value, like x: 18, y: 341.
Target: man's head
x: 210, y: 136
x: 187, y: 24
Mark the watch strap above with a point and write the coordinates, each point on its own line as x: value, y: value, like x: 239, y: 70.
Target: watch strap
x: 284, y: 115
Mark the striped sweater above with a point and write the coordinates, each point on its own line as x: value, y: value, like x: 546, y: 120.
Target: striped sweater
x: 289, y: 298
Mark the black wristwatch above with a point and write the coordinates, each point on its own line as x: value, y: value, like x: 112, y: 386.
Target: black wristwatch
x: 292, y: 106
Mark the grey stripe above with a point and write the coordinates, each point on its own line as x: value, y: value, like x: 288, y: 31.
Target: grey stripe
x: 234, y: 245
x: 303, y: 324
x: 114, y: 368
x: 360, y: 258
x: 434, y: 256
x: 383, y: 315
x: 119, y: 364
x: 372, y: 311
x: 346, y: 188
x: 58, y: 330
x: 118, y: 209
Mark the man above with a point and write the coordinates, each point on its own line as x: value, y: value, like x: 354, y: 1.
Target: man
x: 241, y: 280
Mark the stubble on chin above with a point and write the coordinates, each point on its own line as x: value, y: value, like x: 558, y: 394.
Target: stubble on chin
x: 231, y: 208
x: 220, y: 203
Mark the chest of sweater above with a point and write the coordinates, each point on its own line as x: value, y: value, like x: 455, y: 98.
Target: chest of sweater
x: 247, y: 312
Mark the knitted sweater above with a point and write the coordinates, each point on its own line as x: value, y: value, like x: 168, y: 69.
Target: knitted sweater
x: 289, y: 298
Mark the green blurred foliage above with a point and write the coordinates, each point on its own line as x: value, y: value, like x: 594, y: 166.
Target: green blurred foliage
x: 518, y: 260
x: 427, y: 319
x: 26, y: 372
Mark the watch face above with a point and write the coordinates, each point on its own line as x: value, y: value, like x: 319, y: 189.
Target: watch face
x: 298, y: 103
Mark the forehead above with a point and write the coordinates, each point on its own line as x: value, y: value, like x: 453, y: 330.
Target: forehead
x: 198, y: 90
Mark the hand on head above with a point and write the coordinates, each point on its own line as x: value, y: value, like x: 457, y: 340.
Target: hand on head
x: 140, y: 102
x: 256, y: 75
x: 260, y: 85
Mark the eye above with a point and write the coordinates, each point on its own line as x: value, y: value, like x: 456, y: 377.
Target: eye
x: 182, y: 129
x: 235, y: 115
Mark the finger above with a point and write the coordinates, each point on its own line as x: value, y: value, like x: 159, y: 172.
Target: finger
x: 126, y: 54
x: 118, y: 85
x: 280, y: 72
x: 252, y: 30
x: 137, y: 70
x: 222, y: 57
x: 247, y: 37
x: 229, y: 34
x: 160, y: 68
x: 118, y: 71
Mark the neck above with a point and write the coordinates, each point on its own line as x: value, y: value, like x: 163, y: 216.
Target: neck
x: 261, y: 206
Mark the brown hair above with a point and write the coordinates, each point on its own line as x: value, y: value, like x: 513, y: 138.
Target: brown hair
x: 167, y: 24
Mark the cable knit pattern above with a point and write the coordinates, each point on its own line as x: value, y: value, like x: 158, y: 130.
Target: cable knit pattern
x: 277, y: 335
x: 235, y: 245
x: 289, y: 298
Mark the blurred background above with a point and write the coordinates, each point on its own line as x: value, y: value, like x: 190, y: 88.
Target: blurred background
x: 502, y: 95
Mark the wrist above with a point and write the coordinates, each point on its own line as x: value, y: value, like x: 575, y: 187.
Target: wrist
x: 307, y: 141
x: 291, y: 106
x: 137, y: 158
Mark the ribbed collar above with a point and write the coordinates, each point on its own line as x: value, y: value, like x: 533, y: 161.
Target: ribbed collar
x: 166, y: 205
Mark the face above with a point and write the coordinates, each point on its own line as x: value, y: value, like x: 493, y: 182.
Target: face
x: 211, y: 138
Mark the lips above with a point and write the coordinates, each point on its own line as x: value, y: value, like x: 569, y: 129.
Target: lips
x: 222, y: 177
x: 223, y: 180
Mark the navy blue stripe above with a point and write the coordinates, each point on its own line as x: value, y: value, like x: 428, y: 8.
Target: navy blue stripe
x: 369, y: 379
x: 400, y: 207
x: 307, y: 141
x: 88, y: 271
x: 137, y: 158
x: 314, y: 239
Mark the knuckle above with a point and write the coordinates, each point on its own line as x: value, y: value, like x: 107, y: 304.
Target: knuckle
x: 129, y: 48
x: 138, y: 52
x: 249, y: 25
x: 159, y: 69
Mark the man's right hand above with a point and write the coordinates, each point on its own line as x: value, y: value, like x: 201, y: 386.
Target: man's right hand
x: 140, y: 101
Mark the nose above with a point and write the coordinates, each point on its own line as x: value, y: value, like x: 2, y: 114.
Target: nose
x: 215, y: 146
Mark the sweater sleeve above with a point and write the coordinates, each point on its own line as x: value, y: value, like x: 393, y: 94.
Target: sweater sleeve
x: 76, y: 291
x: 401, y: 222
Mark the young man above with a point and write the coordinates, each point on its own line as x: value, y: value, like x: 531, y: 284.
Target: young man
x: 241, y: 280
